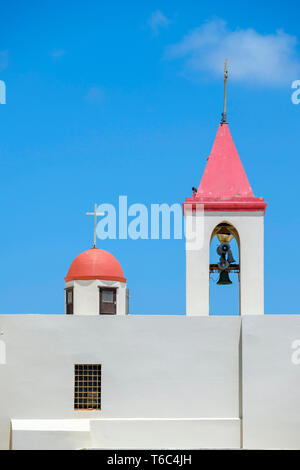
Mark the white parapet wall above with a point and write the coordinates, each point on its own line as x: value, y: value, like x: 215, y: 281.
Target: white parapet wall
x: 167, y: 382
x: 179, y: 375
x: 271, y: 382
x: 50, y: 434
x: 166, y: 433
x: 126, y: 433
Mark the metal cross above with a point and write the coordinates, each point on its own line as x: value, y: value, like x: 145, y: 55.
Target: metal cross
x: 95, y: 214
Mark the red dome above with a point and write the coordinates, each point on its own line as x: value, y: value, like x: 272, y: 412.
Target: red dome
x: 95, y: 264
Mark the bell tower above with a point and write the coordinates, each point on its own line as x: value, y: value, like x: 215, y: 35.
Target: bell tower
x: 226, y: 207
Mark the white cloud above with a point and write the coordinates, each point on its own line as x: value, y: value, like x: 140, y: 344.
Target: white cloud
x: 158, y: 20
x: 268, y: 59
x: 95, y: 95
x: 3, y: 60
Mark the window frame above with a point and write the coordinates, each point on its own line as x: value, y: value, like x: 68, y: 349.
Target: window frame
x: 87, y: 377
x: 115, y: 290
x: 67, y: 291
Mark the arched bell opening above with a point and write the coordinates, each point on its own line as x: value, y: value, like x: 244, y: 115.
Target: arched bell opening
x: 224, y: 271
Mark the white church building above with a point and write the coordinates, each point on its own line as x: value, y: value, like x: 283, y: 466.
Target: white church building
x: 98, y: 377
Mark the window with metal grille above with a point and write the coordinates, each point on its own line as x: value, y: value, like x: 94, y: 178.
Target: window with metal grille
x: 87, y: 392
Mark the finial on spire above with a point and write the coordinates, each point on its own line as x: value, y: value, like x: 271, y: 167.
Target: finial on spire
x: 224, y: 115
x: 95, y: 214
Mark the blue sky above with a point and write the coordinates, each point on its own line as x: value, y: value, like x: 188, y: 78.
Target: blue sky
x: 124, y: 98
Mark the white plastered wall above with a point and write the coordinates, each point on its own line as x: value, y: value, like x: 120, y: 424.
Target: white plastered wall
x: 167, y: 382
x: 86, y: 296
x: 154, y: 369
x: 271, y: 382
x: 250, y: 227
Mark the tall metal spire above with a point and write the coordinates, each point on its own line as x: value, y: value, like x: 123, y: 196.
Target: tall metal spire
x: 224, y: 114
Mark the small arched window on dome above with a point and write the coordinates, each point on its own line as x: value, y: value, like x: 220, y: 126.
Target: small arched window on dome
x: 69, y: 300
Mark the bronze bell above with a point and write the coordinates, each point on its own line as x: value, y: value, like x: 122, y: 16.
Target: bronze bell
x: 224, y: 279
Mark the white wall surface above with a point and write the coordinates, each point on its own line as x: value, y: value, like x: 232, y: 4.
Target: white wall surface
x: 152, y: 367
x: 250, y: 227
x: 2, y: 352
x: 125, y: 434
x: 166, y: 433
x: 271, y: 382
x: 86, y: 296
x: 72, y: 434
x: 173, y: 378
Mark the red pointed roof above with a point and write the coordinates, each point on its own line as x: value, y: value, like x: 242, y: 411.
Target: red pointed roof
x: 224, y: 175
x: 224, y: 185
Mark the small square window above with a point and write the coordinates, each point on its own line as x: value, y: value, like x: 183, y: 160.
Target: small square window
x: 108, y: 296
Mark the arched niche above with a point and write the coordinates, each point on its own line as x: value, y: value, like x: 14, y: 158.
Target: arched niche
x: 224, y: 300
